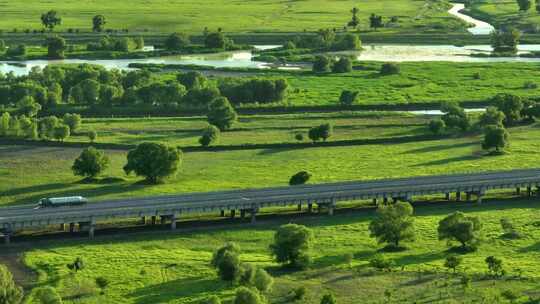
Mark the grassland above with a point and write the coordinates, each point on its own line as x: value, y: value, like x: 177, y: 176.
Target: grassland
x: 506, y: 13
x: 29, y: 173
x: 237, y: 16
x: 174, y: 268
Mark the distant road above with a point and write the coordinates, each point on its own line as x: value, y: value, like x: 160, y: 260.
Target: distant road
x: 249, y: 201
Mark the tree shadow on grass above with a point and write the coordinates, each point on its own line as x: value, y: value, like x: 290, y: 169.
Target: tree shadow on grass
x: 436, y: 148
x: 448, y: 160
x: 414, y: 259
x: 175, y: 289
x: 532, y: 248
x: 32, y: 189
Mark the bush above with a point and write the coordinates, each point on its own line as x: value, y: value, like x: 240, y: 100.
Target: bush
x: 459, y: 227
x: 263, y: 281
x: 210, y: 135
x: 323, y: 132
x: 221, y: 114
x: 510, y: 231
x: 390, y: 69
x: 291, y: 245
x: 495, y: 139
x: 436, y: 126
x: 452, y: 262
x: 328, y: 299
x: 211, y: 300
x: 61, y: 132
x: 494, y: 265
x: 176, y: 42
x: 247, y: 296
x: 299, y: 136
x: 247, y: 274
x: 381, y: 263
x: 343, y: 65
x: 45, y: 295
x: 321, y: 64
x: 348, y: 98
x: 73, y: 121
x: 299, y: 294
x: 299, y: 178
x: 227, y: 262
x: 92, y: 135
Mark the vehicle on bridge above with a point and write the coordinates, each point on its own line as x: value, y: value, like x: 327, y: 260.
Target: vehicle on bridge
x: 62, y: 201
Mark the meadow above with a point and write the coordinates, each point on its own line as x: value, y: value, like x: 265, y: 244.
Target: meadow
x: 505, y: 12
x: 157, y: 267
x: 236, y: 16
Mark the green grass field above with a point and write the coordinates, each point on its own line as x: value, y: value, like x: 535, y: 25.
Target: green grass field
x: 174, y: 268
x: 506, y: 12
x: 236, y: 16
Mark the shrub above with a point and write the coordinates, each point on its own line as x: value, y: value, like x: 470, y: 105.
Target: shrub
x: 381, y: 263
x: 61, y: 132
x: 247, y: 274
x: 343, y: 65
x: 73, y: 121
x: 246, y: 295
x: 452, y: 262
x: 436, y: 126
x: 389, y: 69
x: 92, y: 136
x: 509, y: 229
x: 221, y: 114
x: 299, y: 294
x: 102, y: 283
x: 495, y: 139
x: 291, y: 245
x: 328, y: 299
x: 323, y: 132
x: 263, y: 281
x: 299, y: 178
x: 210, y: 135
x: 227, y: 262
x: 348, y: 98
x: 494, y: 265
x: 321, y: 64
x: 212, y: 300
x: 299, y: 136
x: 46, y: 295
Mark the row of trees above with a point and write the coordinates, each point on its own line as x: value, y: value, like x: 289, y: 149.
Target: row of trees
x: 325, y: 64
x: 46, y: 128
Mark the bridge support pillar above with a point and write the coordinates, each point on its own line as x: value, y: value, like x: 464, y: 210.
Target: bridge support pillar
x: 233, y: 213
x: 310, y: 207
x: 63, y: 227
x: 222, y: 214
x: 468, y: 196
x: 518, y: 190
x: 458, y: 196
x: 91, y: 229
x: 173, y: 222
x: 479, y: 198
x: 409, y: 198
x: 299, y: 207
x: 243, y: 213
x: 385, y: 200
x: 143, y: 220
x: 253, y: 214
x: 162, y: 219
x: 529, y: 191
x: 71, y: 227
x: 447, y: 196
x: 7, y: 236
x: 375, y: 202
x: 331, y: 207
x: 153, y: 219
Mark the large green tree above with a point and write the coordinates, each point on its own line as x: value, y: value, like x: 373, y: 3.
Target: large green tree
x: 91, y: 163
x: 98, y: 22
x: 393, y: 224
x: 495, y: 138
x: 153, y: 161
x: 221, y: 114
x: 292, y: 244
x: 50, y: 19
x: 511, y: 106
x: 55, y: 47
x: 177, y: 41
x: 461, y: 228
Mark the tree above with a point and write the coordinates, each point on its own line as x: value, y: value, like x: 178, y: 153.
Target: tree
x: 192, y: 80
x: 452, y: 262
x: 354, y: 20
x: 375, y: 21
x: 229, y: 266
x: 389, y: 69
x: 537, y: 6
x: 46, y: 295
x: 459, y: 227
x: 98, y: 22
x: 299, y: 178
x: 247, y: 274
x: 524, y: 5
x: 210, y: 135
x: 263, y: 281
x: 217, y: 41
x: 348, y: 42
x: 47, y: 126
x: 291, y: 245
x: 454, y: 116
x: 348, y: 98
x: 511, y: 106
x: 28, y: 106
x: 10, y: 293
x: 436, y: 126
x: 102, y: 283
x: 494, y: 265
x: 492, y: 116
x: 221, y: 114
x: 153, y: 161
x: 511, y: 295
x: 343, y: 65
x: 4, y: 124
x: 495, y: 137
x: 393, y: 224
x: 55, y: 47
x: 246, y: 295
x: 61, y: 132
x: 90, y: 163
x: 73, y: 121
x: 177, y: 42
x: 50, y: 20
x: 92, y: 135
x: 77, y: 265
x: 381, y: 263
x: 323, y: 132
x: 505, y: 40
x: 328, y: 299
x: 321, y: 64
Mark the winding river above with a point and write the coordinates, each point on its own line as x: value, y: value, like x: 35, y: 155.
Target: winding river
x: 373, y: 52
